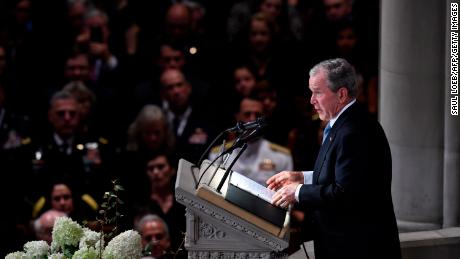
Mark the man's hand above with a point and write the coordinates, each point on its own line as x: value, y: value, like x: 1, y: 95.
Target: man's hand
x: 284, y: 178
x: 285, y: 196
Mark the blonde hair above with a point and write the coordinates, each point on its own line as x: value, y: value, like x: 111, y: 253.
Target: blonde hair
x: 149, y: 113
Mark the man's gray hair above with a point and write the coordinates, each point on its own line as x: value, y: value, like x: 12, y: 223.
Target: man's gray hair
x: 151, y: 217
x: 339, y: 73
x: 61, y: 95
x: 38, y: 224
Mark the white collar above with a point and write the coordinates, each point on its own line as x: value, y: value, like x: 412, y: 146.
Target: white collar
x: 333, y: 120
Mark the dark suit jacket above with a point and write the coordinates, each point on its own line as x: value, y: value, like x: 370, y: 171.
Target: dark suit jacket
x: 350, y: 197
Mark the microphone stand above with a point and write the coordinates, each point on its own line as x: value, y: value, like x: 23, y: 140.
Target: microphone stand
x: 227, y: 172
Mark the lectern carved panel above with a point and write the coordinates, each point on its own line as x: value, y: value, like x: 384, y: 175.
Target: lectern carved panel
x: 214, y: 231
x: 227, y: 219
x: 208, y: 231
x: 228, y: 255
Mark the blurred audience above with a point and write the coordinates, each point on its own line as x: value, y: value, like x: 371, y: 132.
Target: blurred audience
x: 91, y: 90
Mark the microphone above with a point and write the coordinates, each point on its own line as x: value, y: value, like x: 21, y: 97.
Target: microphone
x: 245, y: 138
x: 241, y: 127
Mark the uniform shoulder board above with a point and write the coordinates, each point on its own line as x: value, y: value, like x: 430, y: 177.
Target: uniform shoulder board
x: 26, y: 141
x: 103, y: 141
x: 90, y: 201
x: 216, y: 149
x: 38, y: 207
x: 279, y: 148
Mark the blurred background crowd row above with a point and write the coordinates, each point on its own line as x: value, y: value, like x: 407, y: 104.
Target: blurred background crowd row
x: 95, y: 90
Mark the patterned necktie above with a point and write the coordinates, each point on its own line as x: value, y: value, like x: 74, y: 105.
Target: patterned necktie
x: 326, y: 131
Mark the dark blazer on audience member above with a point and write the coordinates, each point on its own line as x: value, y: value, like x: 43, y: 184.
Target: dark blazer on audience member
x: 350, y: 196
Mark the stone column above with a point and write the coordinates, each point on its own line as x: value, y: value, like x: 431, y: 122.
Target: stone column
x: 412, y: 93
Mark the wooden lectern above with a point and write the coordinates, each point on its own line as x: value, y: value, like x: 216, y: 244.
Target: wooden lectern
x: 217, y: 227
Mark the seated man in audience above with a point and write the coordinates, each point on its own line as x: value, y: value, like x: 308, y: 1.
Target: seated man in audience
x: 155, y: 236
x: 191, y: 128
x: 262, y: 158
x: 62, y: 152
x: 43, y: 226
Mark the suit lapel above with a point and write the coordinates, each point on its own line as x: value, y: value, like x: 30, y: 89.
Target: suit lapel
x: 328, y: 142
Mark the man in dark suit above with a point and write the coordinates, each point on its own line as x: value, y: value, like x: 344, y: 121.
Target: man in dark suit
x: 184, y: 115
x: 349, y: 191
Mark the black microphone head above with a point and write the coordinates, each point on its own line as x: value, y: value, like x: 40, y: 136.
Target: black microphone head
x: 261, y: 122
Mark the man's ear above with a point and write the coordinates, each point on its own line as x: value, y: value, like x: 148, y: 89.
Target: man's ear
x: 343, y: 94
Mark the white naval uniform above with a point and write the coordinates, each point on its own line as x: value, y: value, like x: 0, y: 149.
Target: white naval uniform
x: 261, y: 160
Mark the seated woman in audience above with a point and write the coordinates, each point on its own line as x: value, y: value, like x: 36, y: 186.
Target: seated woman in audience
x: 148, y: 133
x: 62, y: 197
x: 158, y: 196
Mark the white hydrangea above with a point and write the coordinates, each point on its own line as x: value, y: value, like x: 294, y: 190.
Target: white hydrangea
x: 91, y: 239
x: 16, y: 255
x: 36, y: 249
x: 66, y: 232
x: 85, y: 253
x: 56, y: 256
x: 126, y: 245
x: 54, y: 247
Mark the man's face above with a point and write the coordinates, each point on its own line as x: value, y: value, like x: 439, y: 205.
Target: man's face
x: 244, y: 81
x: 159, y: 171
x: 64, y: 117
x: 155, y: 232
x: 61, y: 198
x: 171, y: 58
x: 75, y: 14
x: 337, y: 9
x: 325, y: 102
x: 250, y: 110
x: 269, y: 101
x: 346, y: 41
x: 176, y: 90
x: 22, y: 11
x: 77, y: 68
x: 271, y: 8
x: 259, y: 36
x: 178, y: 21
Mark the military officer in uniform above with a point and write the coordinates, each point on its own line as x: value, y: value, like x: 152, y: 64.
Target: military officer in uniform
x: 64, y: 154
x: 262, y: 158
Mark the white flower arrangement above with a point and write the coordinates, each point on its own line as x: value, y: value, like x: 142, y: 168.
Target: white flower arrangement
x: 36, y: 249
x: 91, y: 239
x: 127, y: 243
x: 16, y: 255
x: 71, y: 241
